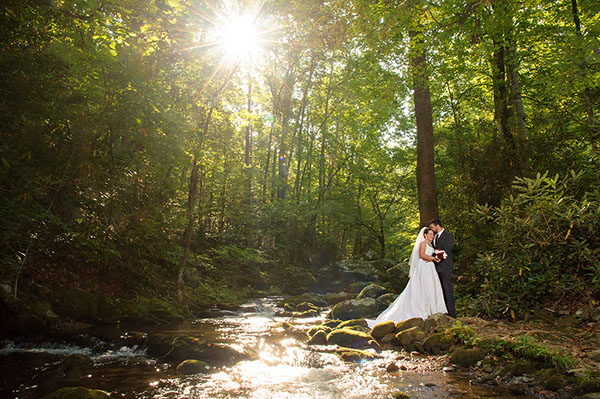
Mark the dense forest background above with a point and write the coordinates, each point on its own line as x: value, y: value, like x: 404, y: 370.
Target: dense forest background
x: 141, y: 161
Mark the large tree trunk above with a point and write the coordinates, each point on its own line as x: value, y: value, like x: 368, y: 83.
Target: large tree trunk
x: 428, y: 208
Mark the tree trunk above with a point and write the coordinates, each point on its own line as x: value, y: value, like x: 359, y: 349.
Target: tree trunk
x: 427, y: 197
x: 248, y: 148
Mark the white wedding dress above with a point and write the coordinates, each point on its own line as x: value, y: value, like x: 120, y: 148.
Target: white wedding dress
x: 421, y: 297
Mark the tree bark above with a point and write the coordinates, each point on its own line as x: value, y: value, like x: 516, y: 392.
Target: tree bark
x: 427, y: 197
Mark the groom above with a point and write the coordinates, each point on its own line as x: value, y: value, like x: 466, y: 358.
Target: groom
x: 444, y: 240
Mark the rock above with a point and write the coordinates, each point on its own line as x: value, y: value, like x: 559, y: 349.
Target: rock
x: 589, y: 385
x: 192, y: 366
x: 356, y: 288
x: 382, y: 329
x: 397, y: 276
x: 353, y: 322
x: 439, y: 342
x: 580, y: 372
x: 313, y: 330
x: 353, y: 355
x: 448, y: 369
x: 319, y: 338
x: 408, y: 338
x: 466, y: 357
x: 348, y: 338
x: 385, y: 300
x: 333, y: 298
x: 516, y: 389
x: 389, y: 339
x: 390, y: 368
x: 221, y: 355
x: 400, y: 395
x: 77, y: 393
x: 370, y: 255
x: 375, y: 345
x: 183, y: 347
x: 304, y: 306
x: 306, y: 314
x: 332, y: 323
x: 410, y: 323
x: 437, y: 321
x: 522, y: 367
x: 355, y: 308
x: 594, y: 355
x: 358, y: 269
x: 595, y: 395
x: 371, y: 291
x: 554, y: 382
x: 75, y: 365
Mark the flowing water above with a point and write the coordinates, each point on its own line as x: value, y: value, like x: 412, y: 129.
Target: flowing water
x: 283, y: 366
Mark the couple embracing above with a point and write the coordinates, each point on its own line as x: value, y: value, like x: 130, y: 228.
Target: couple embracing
x: 429, y: 289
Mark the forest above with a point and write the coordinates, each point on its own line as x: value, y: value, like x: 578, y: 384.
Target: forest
x: 159, y: 157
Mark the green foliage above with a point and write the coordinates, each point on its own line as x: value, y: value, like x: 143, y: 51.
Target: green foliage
x: 543, y: 244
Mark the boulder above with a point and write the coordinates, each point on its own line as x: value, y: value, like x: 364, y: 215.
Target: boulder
x: 306, y: 314
x: 400, y: 395
x: 389, y: 339
x: 192, y: 366
x: 313, y: 330
x: 439, y: 342
x: 410, y: 323
x: 318, y: 338
x: 408, y: 338
x: 385, y: 300
x: 221, y: 355
x: 382, y: 329
x: 353, y: 355
x: 77, y: 393
x: 436, y: 321
x: 183, y: 347
x: 333, y: 298
x: 355, y: 308
x: 555, y: 382
x: 355, y: 269
x: 349, y: 338
x: 332, y: 323
x: 466, y: 357
x: 371, y: 291
x: 353, y: 322
x: 397, y: 276
x: 75, y: 365
x: 304, y: 306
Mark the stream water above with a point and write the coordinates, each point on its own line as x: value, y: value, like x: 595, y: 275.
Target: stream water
x: 284, y: 366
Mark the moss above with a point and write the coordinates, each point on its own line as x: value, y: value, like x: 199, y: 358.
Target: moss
x: 382, y: 329
x: 353, y: 355
x: 192, y: 366
x: 319, y: 338
x: 353, y: 322
x: 77, y: 393
x: 466, y: 357
x: 400, y: 395
x: 348, y: 338
x: 313, y: 330
x: 410, y: 323
x: 439, y: 342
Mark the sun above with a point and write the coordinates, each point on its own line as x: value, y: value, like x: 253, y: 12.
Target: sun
x: 239, y: 38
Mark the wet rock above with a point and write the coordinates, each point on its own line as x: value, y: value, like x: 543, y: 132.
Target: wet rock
x: 382, y: 329
x: 406, y: 324
x: 389, y: 339
x: 304, y: 306
x: 353, y: 322
x: 183, y: 347
x: 313, y: 330
x: 348, y: 338
x: 408, y: 338
x: 397, y: 276
x: 439, y: 342
x: 400, y: 395
x: 516, y: 389
x: 522, y: 367
x: 353, y: 355
x: 332, y: 323
x: 466, y: 357
x: 74, y: 366
x: 221, y: 355
x: 371, y: 291
x: 390, y: 368
x: 192, y: 366
x: 77, y: 393
x: 306, y: 314
x: 357, y: 287
x: 355, y: 308
x: 318, y: 338
x: 375, y: 345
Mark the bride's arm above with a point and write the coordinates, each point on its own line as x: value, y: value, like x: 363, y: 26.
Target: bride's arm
x: 422, y: 253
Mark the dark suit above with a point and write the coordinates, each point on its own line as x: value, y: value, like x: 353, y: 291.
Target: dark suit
x: 444, y: 268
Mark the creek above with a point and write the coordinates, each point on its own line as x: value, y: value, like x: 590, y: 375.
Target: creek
x: 282, y: 365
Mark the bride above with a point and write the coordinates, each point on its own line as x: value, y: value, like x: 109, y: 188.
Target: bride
x: 423, y: 294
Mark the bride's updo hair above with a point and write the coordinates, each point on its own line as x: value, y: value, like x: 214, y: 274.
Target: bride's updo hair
x: 426, y: 231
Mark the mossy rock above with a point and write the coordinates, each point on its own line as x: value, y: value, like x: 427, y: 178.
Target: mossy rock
x: 407, y: 338
x: 77, y: 393
x: 306, y: 314
x: 318, y: 338
x: 439, y: 342
x: 182, y: 347
x: 349, y: 338
x: 389, y: 339
x: 313, y: 330
x: 353, y: 355
x: 333, y: 324
x: 371, y: 291
x: 522, y: 367
x: 410, y: 323
x: 355, y: 308
x: 375, y: 345
x: 437, y: 321
x: 353, y: 322
x: 400, y: 395
x: 382, y: 329
x: 193, y: 366
x: 385, y: 300
x: 304, y: 306
x: 466, y: 357
x: 555, y: 382
x: 588, y: 385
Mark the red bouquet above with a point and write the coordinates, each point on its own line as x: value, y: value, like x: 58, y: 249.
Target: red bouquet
x: 440, y: 254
